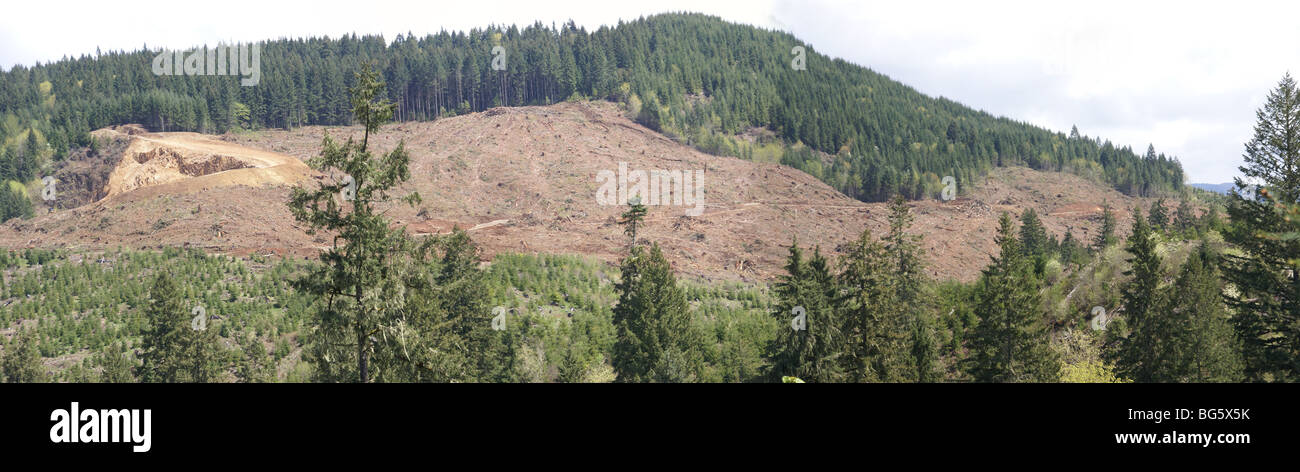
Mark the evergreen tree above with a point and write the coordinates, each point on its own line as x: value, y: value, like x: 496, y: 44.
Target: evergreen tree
x: 874, y: 329
x: 115, y: 364
x: 1159, y: 217
x: 656, y: 341
x: 1209, y: 221
x: 1138, y: 353
x: 32, y: 149
x: 809, y: 348
x: 22, y: 359
x: 924, y: 355
x: 1106, y: 237
x: 1072, y: 250
x: 1267, y: 297
x: 904, y: 254
x: 173, y: 350
x: 1273, y: 154
x: 363, y: 295
x: 256, y: 365
x: 1033, y: 236
x: 1184, y: 218
x: 1011, y: 342
x: 632, y: 219
x: 461, y: 293
x: 13, y: 204
x: 1197, y: 340
x: 162, y: 344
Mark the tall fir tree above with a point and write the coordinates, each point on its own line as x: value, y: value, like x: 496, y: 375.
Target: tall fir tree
x: 1266, y: 275
x: 1138, y: 351
x: 1033, y: 236
x: 1106, y: 237
x: 656, y: 339
x: 1159, y: 215
x: 1197, y: 340
x: 1011, y: 341
x: 1184, y: 217
x: 904, y: 253
x: 363, y: 297
x: 874, y: 327
x: 809, y: 347
x: 924, y: 352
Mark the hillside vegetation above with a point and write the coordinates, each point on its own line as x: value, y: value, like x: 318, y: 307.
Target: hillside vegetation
x: 724, y: 88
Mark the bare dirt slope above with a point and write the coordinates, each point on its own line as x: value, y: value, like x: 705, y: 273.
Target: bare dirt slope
x: 179, y: 162
x: 524, y: 180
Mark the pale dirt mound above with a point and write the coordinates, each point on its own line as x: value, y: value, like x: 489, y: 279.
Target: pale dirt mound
x: 524, y: 180
x: 191, y: 161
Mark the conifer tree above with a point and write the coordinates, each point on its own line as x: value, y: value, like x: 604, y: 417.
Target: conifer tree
x: 1138, y: 353
x: 904, y: 253
x: 1107, y: 235
x: 1198, y: 343
x: 656, y: 340
x: 115, y: 364
x: 873, y: 321
x: 173, y: 350
x: 924, y: 357
x: 256, y: 365
x: 1033, y: 236
x: 1071, y: 249
x: 632, y: 219
x: 163, y: 343
x: 22, y: 359
x: 1266, y: 302
x: 461, y: 293
x: 1159, y: 216
x: 810, y: 348
x: 1184, y: 218
x: 1011, y: 342
x: 363, y: 296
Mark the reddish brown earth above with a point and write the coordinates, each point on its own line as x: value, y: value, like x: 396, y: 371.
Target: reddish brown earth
x: 524, y: 180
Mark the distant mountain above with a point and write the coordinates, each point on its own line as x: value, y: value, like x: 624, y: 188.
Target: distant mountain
x: 1216, y: 188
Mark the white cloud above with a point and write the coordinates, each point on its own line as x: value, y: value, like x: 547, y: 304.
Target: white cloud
x: 1182, y: 75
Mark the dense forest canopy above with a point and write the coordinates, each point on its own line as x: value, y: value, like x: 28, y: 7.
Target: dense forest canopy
x: 725, y: 88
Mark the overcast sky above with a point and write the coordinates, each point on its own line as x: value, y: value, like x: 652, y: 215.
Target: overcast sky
x: 1184, y: 76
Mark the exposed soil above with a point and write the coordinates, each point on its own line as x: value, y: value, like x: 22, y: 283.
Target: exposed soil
x: 525, y: 180
x: 197, y: 161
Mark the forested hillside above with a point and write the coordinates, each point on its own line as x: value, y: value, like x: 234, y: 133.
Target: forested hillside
x: 1181, y: 298
x: 725, y: 88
